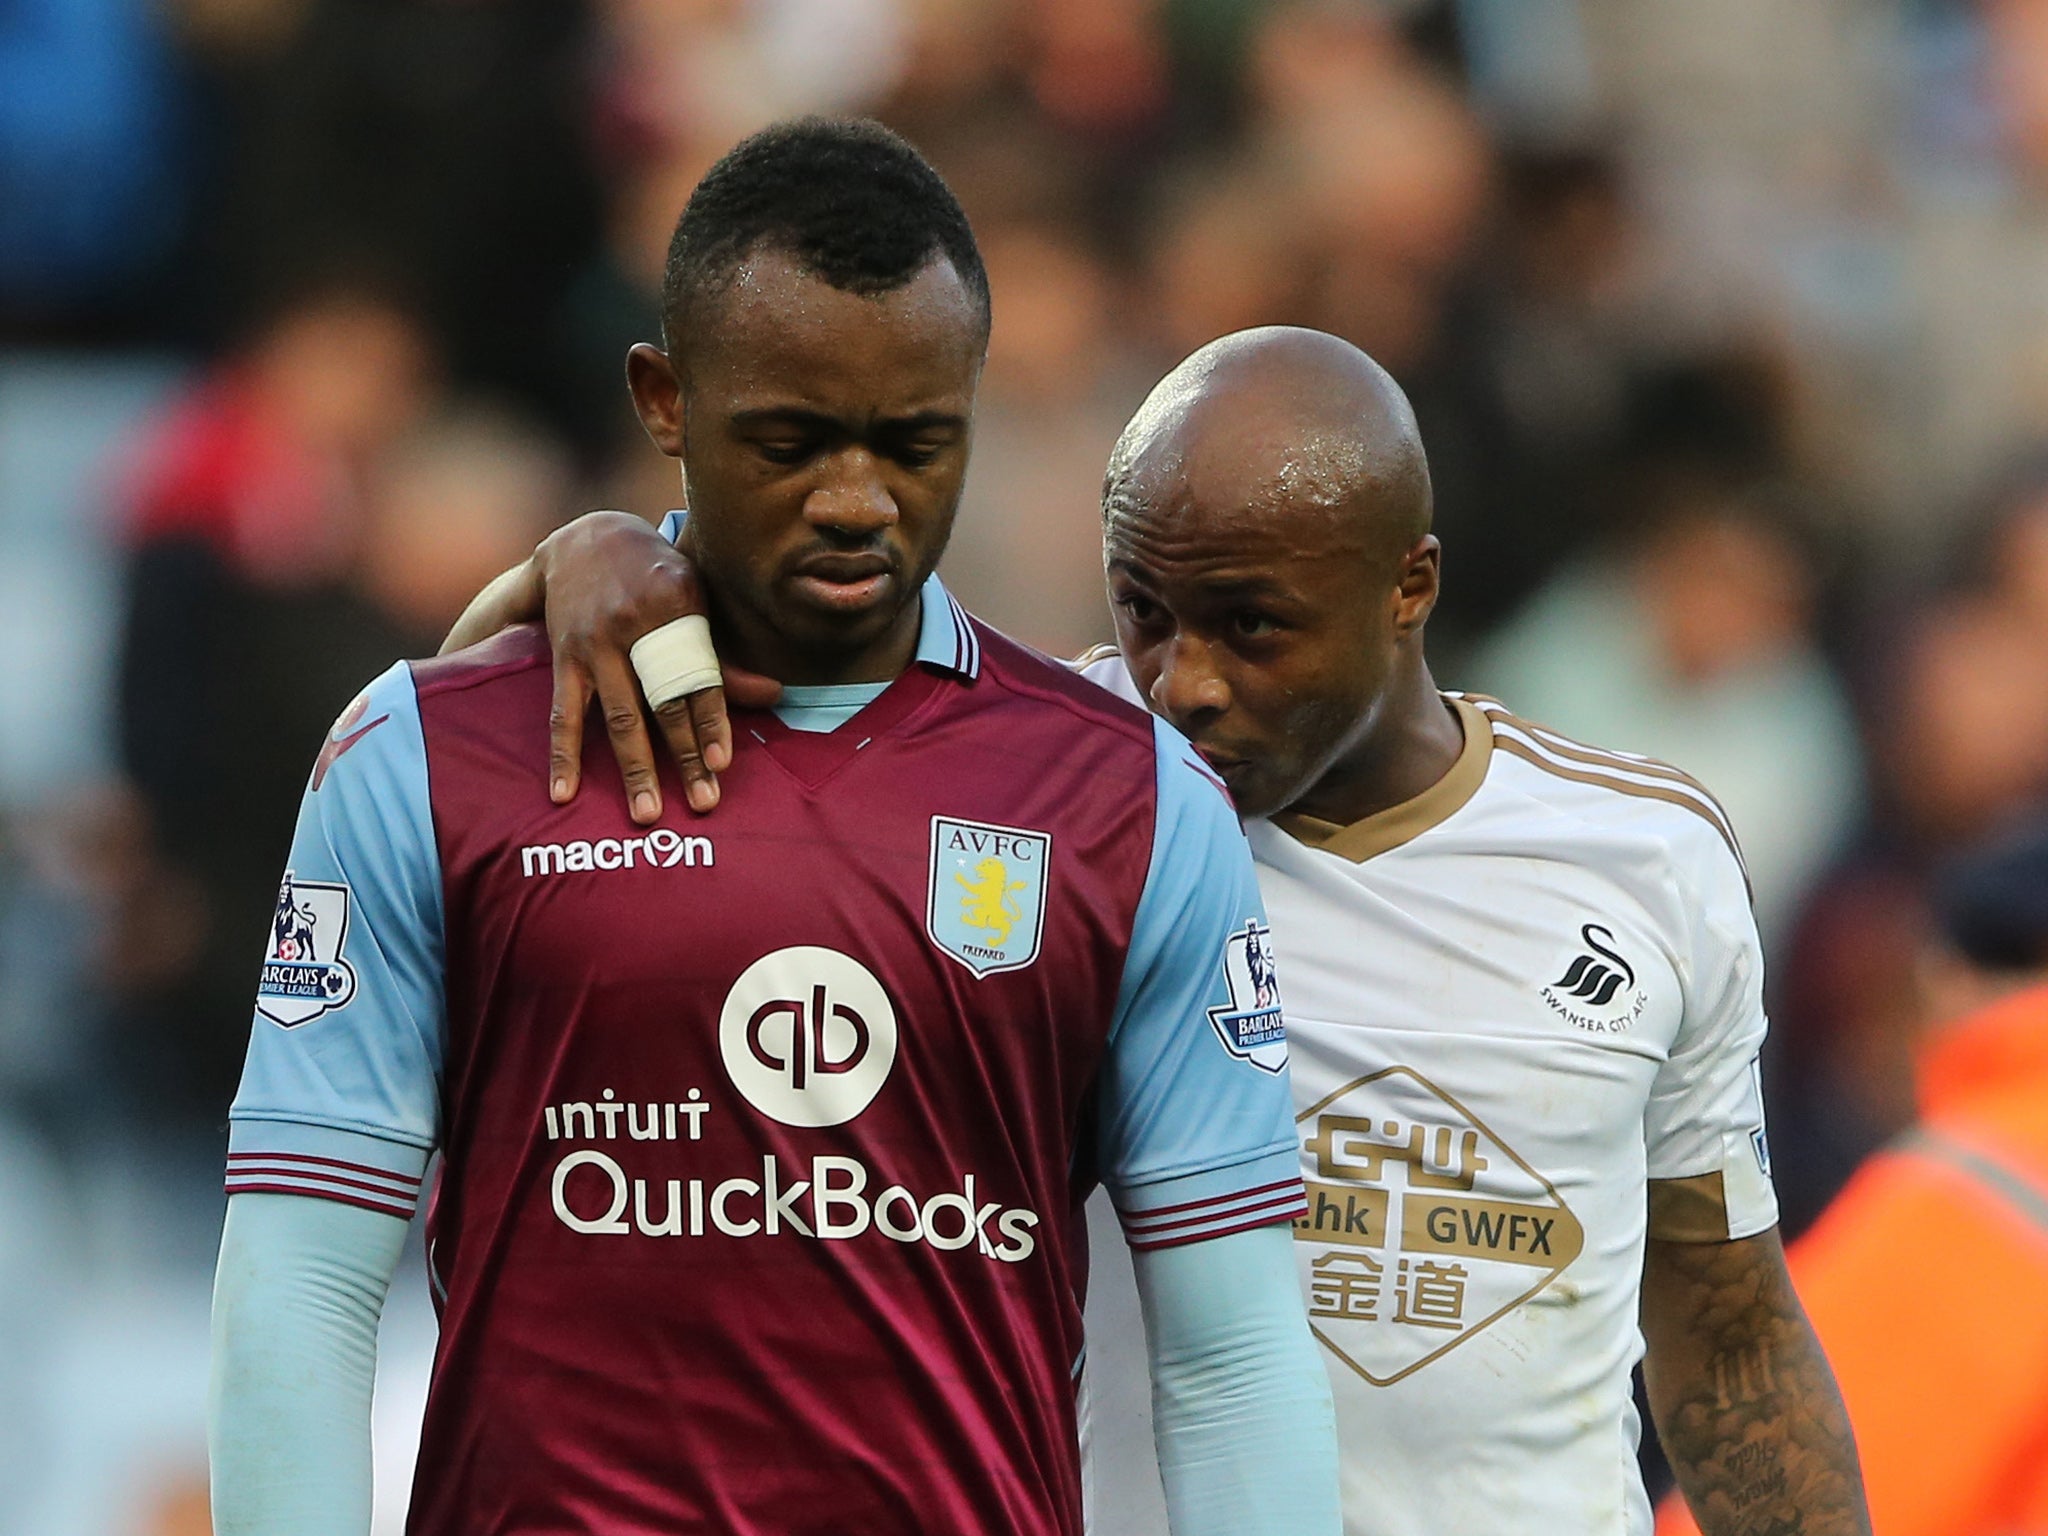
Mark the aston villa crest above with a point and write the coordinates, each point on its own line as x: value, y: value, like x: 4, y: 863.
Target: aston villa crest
x: 985, y: 903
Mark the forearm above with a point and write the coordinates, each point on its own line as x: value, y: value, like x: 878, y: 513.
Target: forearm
x: 296, y: 1301
x: 511, y: 598
x: 1744, y: 1400
x: 1240, y: 1402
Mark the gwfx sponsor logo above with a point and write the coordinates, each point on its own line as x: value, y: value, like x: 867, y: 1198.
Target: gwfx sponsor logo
x: 662, y: 848
x: 1423, y: 1228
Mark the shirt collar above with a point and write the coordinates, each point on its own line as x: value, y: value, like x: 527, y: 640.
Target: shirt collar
x: 946, y: 640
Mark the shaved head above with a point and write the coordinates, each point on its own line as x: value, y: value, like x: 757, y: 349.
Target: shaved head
x: 1293, y: 430
x: 1265, y: 534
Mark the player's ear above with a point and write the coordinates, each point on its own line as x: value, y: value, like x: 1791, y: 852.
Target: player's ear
x: 657, y: 396
x: 1415, y: 585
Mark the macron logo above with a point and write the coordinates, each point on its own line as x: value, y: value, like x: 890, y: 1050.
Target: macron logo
x: 661, y: 848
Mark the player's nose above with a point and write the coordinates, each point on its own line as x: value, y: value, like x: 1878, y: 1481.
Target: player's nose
x: 1188, y: 688
x: 852, y: 497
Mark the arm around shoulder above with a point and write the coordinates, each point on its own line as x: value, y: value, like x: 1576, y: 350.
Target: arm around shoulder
x: 511, y: 597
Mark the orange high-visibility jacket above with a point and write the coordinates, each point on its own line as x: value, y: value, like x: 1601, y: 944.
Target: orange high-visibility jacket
x: 1927, y: 1281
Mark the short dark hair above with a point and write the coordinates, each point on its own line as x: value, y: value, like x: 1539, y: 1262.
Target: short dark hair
x: 851, y: 201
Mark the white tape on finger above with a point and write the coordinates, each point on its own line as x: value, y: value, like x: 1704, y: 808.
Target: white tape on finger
x: 676, y: 660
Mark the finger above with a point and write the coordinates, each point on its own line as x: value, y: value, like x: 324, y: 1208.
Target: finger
x: 714, y: 731
x: 679, y: 726
x: 748, y: 690
x: 565, y: 730
x: 618, y: 694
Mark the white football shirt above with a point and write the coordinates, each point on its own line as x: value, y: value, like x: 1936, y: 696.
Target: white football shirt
x: 1524, y: 1011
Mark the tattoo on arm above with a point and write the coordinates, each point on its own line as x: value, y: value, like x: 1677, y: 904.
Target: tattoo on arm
x: 1743, y: 1398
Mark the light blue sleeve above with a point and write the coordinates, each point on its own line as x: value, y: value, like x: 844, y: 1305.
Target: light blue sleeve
x: 296, y: 1301
x: 340, y: 1094
x: 1197, y: 1130
x: 672, y: 525
x: 1241, y: 1408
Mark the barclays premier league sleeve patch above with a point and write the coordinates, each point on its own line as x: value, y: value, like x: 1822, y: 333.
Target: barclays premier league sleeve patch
x: 1251, y: 1028
x: 304, y: 974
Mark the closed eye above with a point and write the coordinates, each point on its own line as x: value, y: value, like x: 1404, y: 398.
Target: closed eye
x: 793, y: 451
x: 917, y: 448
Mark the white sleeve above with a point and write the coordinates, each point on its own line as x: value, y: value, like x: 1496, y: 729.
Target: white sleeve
x: 1708, y: 1158
x: 1241, y: 1406
x: 296, y: 1300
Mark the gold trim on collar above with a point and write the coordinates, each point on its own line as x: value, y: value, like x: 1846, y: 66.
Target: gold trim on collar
x: 1398, y: 824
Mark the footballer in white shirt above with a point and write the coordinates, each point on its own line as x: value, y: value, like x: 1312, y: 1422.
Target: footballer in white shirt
x: 1524, y: 988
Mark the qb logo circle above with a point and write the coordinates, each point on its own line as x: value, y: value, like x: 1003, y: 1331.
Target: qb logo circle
x: 808, y: 1036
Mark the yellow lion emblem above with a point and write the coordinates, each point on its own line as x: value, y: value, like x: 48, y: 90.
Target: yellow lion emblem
x: 987, y: 903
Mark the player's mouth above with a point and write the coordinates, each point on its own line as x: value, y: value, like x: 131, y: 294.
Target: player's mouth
x: 1229, y: 767
x: 845, y: 583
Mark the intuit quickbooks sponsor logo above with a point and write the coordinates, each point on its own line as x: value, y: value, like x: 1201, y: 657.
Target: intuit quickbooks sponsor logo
x: 828, y: 1199
x: 660, y: 849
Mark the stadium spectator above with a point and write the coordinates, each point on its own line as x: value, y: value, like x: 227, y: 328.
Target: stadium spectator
x: 1943, y: 1358
x: 1958, y: 738
x: 446, y: 140
x: 1695, y: 645
x: 249, y: 507
x: 1055, y: 391
x: 450, y: 504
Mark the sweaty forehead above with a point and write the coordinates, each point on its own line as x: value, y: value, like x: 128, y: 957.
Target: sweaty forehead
x: 1245, y: 475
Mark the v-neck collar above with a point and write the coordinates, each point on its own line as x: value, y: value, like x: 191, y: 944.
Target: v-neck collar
x: 948, y: 652
x: 1389, y: 829
x: 812, y: 757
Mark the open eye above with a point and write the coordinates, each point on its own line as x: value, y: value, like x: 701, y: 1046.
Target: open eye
x: 1140, y: 609
x: 1250, y: 624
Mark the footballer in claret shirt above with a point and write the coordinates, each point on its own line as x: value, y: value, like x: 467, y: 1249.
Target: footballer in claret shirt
x: 761, y: 1141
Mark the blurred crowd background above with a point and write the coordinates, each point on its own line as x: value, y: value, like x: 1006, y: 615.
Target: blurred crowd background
x: 1727, y: 326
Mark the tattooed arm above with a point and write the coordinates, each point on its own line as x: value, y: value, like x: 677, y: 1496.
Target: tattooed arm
x: 1743, y: 1398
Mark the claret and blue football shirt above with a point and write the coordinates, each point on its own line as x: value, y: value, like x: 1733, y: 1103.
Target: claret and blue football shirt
x: 763, y: 1132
